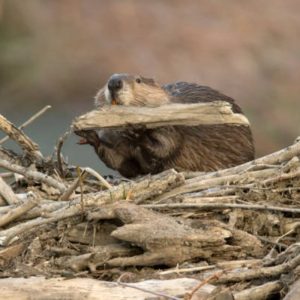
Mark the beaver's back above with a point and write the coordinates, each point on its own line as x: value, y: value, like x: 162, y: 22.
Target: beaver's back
x: 209, y: 147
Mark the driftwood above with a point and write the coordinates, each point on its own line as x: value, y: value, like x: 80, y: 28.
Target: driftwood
x: 91, y: 289
x: 7, y: 193
x: 30, y: 148
x: 168, y: 241
x: 217, y: 112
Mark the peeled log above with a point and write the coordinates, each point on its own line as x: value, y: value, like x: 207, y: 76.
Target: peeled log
x: 92, y: 289
x: 217, y: 112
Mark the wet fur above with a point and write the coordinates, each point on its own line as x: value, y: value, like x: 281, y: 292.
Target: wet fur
x: 135, y: 151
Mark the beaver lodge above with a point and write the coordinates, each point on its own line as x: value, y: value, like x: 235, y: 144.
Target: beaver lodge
x: 68, y: 233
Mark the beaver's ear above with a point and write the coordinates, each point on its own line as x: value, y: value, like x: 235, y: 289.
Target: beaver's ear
x: 149, y: 81
x: 100, y: 98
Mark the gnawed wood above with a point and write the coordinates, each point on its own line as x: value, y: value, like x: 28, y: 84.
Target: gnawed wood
x: 217, y: 112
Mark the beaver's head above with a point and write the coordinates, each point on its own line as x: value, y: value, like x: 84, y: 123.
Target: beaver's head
x: 125, y: 89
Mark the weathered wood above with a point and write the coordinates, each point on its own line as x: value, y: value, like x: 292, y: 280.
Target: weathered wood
x: 262, y: 292
x: 33, y: 175
x: 92, y: 289
x: 7, y: 193
x: 30, y: 148
x: 145, y: 188
x: 294, y: 292
x: 166, y: 241
x: 217, y: 112
x: 18, y: 211
x: 242, y: 173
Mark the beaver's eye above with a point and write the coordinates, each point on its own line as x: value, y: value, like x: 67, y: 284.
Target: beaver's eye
x: 138, y: 80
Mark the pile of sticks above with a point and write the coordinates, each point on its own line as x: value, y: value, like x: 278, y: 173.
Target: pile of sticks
x: 238, y: 228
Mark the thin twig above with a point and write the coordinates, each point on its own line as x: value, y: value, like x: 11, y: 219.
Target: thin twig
x: 29, y: 121
x: 202, y: 283
x: 59, y: 156
x: 205, y: 206
x: 30, y: 148
x: 119, y: 282
x: 66, y: 195
x: 98, y: 176
x: 263, y: 272
x: 33, y: 175
x: 79, y: 173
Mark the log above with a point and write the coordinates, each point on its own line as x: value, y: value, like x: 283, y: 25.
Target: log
x: 217, y: 112
x: 262, y: 292
x: 168, y: 241
x: 92, y: 289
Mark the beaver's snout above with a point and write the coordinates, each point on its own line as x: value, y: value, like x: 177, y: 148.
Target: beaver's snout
x: 114, y: 84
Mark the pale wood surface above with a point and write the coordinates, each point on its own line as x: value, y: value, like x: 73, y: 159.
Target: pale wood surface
x: 92, y: 289
x: 217, y: 112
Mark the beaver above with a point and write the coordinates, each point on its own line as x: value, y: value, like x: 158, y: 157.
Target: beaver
x: 135, y: 150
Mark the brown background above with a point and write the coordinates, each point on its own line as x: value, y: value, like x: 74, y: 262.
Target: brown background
x: 60, y: 52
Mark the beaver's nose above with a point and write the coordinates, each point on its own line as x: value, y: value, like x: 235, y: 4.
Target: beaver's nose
x: 115, y: 84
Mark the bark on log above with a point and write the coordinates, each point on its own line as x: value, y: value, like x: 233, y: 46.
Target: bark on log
x: 217, y: 112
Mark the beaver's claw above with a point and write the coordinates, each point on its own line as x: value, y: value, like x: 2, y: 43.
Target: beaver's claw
x: 134, y: 132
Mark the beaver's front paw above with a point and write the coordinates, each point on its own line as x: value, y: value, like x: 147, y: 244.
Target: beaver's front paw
x: 88, y: 137
x: 134, y: 132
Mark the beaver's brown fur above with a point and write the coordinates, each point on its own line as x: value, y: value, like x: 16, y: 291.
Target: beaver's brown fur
x: 136, y: 150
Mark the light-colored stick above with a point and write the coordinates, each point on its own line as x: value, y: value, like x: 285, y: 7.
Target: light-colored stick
x: 15, y: 213
x: 98, y: 176
x: 67, y: 194
x: 33, y: 175
x: 217, y: 112
x: 205, y: 206
x: 7, y: 193
x: 29, y: 121
x: 30, y: 148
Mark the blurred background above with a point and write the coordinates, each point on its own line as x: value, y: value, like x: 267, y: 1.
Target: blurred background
x: 60, y: 52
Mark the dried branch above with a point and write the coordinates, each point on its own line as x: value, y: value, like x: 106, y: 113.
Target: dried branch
x: 30, y: 148
x: 29, y: 121
x: 98, y: 176
x: 206, y: 206
x: 59, y: 156
x: 216, y: 112
x: 237, y: 174
x: 15, y: 213
x: 261, y: 292
x: 263, y: 272
x: 66, y: 195
x: 33, y: 175
x: 7, y: 193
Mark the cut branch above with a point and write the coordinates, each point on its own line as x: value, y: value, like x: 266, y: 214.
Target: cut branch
x: 30, y: 148
x: 18, y: 211
x: 216, y: 112
x: 208, y: 206
x: 29, y: 121
x: 7, y: 193
x: 33, y: 175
